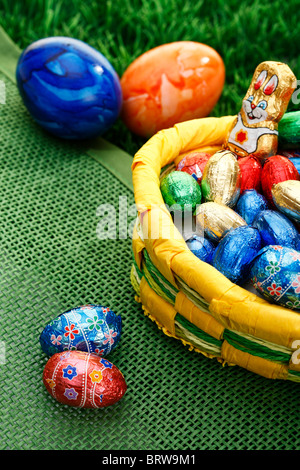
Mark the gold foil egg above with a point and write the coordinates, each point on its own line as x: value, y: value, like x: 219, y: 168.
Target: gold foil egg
x: 214, y: 220
x: 221, y: 179
x: 255, y: 130
x: 286, y: 197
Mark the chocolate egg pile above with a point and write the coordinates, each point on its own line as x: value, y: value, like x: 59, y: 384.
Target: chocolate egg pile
x: 77, y: 374
x: 247, y: 218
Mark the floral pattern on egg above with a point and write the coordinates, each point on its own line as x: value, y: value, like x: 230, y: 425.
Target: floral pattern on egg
x: 83, y: 380
x: 91, y: 328
x: 275, y: 274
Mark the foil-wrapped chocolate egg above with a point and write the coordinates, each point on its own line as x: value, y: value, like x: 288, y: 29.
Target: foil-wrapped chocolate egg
x: 251, y: 169
x: 250, y: 204
x: 275, y: 274
x: 213, y: 220
x: 276, y: 229
x: 91, y: 328
x: 293, y: 156
x: 290, y: 153
x: 201, y: 247
x: 275, y: 170
x: 180, y: 191
x: 194, y: 164
x: 286, y: 197
x: 235, y: 252
x: 296, y: 162
x: 83, y: 380
x: 289, y: 130
x: 221, y: 178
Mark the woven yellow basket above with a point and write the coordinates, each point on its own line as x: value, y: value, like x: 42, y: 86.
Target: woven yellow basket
x: 189, y: 299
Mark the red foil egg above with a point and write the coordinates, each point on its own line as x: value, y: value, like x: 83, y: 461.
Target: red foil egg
x: 276, y: 169
x: 193, y: 164
x: 83, y: 380
x: 251, y: 169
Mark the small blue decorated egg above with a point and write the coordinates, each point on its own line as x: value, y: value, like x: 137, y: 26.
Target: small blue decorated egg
x: 276, y: 229
x: 201, y: 247
x: 68, y: 87
x: 236, y: 251
x: 275, y: 274
x: 250, y: 204
x: 91, y: 328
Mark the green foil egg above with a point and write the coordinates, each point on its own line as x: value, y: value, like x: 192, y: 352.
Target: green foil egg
x: 289, y: 130
x: 180, y: 191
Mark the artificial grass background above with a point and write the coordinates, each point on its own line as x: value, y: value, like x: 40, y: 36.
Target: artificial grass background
x: 244, y: 33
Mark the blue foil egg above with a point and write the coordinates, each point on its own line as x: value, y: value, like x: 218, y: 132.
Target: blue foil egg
x: 91, y: 328
x: 250, y: 204
x: 275, y: 274
x: 201, y: 247
x: 296, y: 162
x: 276, y: 229
x: 69, y: 88
x: 235, y: 253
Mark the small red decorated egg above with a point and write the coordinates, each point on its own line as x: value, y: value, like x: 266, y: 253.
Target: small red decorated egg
x: 171, y: 83
x: 194, y: 164
x: 83, y: 380
x: 251, y: 169
x: 275, y: 170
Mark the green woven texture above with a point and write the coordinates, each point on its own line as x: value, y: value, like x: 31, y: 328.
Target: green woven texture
x: 51, y: 260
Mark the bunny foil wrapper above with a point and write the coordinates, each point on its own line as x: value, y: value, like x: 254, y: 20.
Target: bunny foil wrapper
x: 255, y: 130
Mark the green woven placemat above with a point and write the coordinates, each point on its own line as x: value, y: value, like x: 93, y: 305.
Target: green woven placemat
x: 51, y: 260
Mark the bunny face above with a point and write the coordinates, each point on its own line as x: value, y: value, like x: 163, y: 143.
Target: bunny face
x: 269, y: 93
x: 255, y: 112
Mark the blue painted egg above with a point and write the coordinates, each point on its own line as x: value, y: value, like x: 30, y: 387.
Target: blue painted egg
x: 250, y: 204
x: 276, y: 229
x: 201, y: 247
x: 275, y: 273
x: 235, y: 253
x: 91, y: 328
x: 69, y: 88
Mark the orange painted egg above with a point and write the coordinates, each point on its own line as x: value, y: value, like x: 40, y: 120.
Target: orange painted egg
x: 169, y: 84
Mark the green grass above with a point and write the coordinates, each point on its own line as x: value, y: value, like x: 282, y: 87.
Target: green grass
x: 244, y: 33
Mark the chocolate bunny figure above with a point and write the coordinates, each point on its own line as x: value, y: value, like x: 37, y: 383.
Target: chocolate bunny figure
x: 255, y: 128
